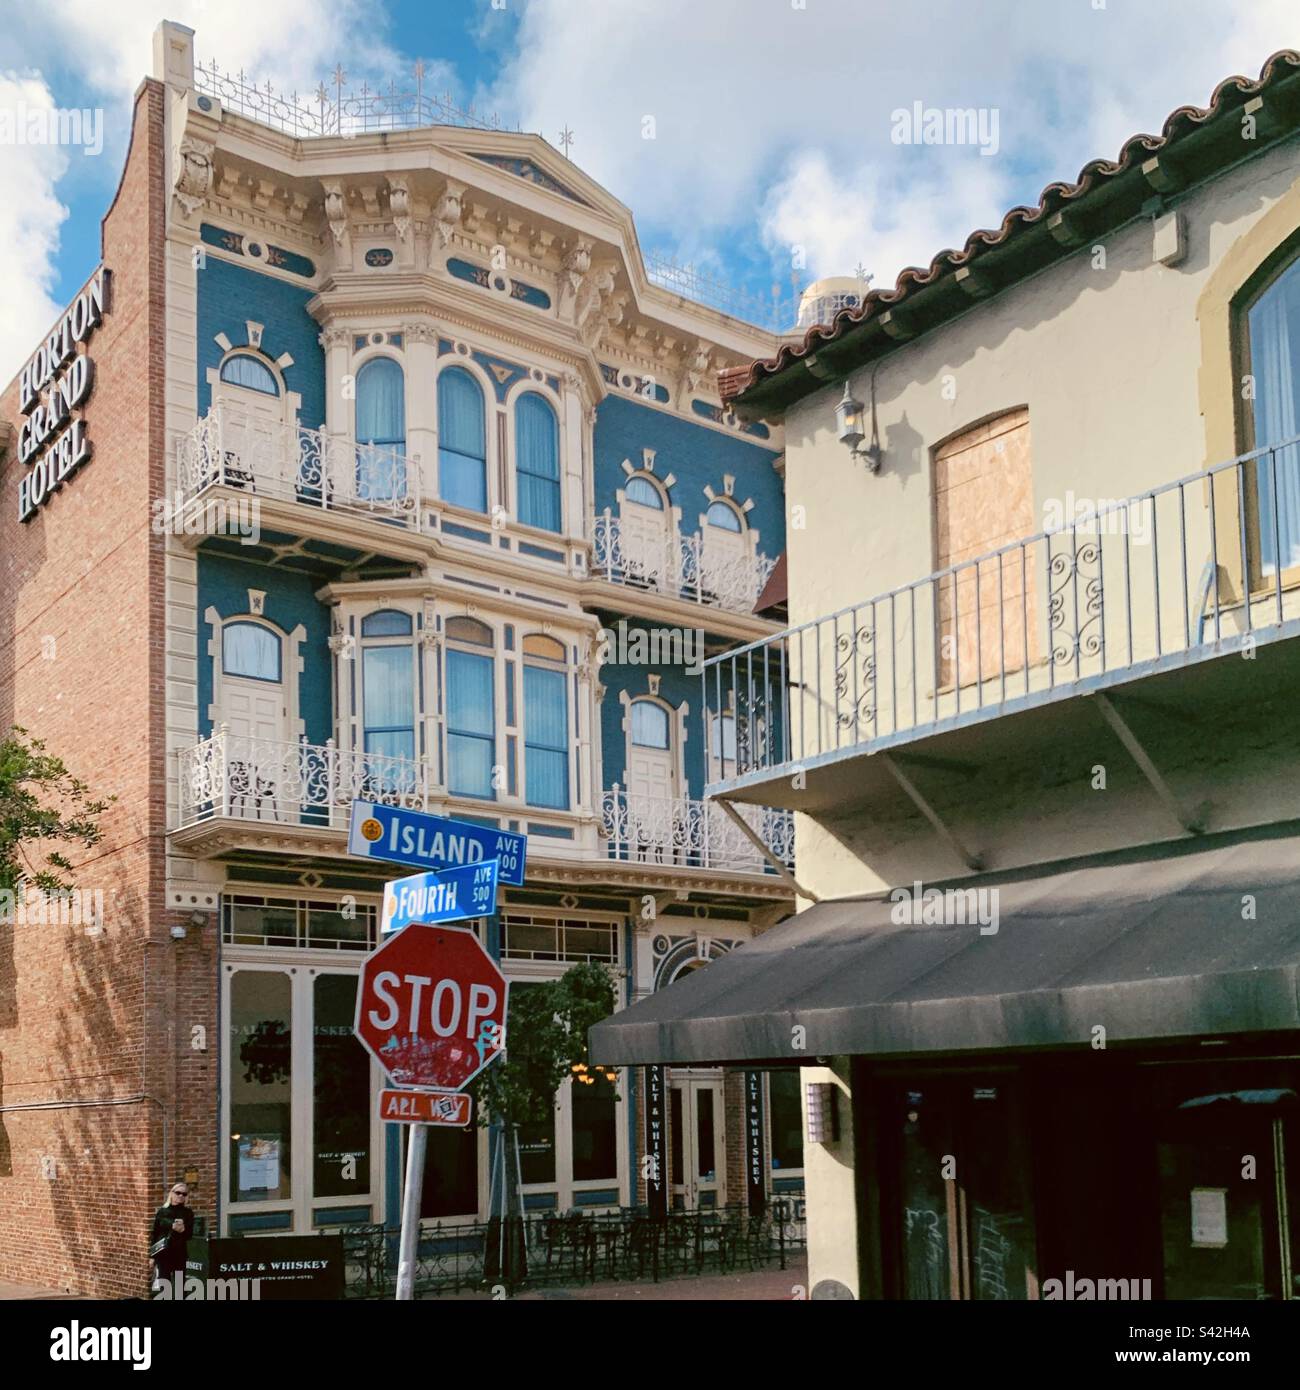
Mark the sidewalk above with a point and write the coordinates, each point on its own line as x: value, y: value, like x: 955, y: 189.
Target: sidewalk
x: 763, y: 1285
x: 11, y: 1291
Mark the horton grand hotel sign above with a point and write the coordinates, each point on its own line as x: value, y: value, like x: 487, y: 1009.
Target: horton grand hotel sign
x: 57, y: 381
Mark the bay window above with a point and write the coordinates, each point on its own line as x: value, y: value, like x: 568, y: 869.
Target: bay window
x: 471, y: 708
x: 462, y: 440
x: 546, y: 724
x: 388, y: 684
x: 537, y: 462
x: 381, y: 429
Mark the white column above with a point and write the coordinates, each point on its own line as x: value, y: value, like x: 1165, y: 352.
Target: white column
x: 577, y: 495
x: 422, y: 403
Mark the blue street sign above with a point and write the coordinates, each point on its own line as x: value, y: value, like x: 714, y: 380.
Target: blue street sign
x: 399, y: 836
x: 447, y: 896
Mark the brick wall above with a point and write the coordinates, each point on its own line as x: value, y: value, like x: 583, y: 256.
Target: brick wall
x: 103, y: 1018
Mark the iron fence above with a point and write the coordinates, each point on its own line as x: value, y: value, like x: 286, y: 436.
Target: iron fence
x: 574, y: 1249
x: 1205, y: 564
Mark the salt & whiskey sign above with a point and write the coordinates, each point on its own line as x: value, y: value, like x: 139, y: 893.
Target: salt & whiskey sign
x: 58, y: 380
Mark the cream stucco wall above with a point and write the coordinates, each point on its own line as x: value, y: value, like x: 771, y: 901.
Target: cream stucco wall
x: 1124, y: 365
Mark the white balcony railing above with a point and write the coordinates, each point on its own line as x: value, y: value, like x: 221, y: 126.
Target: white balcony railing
x: 268, y: 459
x: 232, y: 777
x: 685, y: 833
x: 688, y: 567
x: 240, y: 778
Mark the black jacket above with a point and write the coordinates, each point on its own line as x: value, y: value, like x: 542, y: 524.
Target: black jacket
x: 172, y: 1256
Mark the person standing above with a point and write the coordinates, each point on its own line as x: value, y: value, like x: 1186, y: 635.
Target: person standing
x: 173, y: 1227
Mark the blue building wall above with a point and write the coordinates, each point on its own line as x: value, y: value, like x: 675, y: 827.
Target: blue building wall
x: 229, y: 296
x: 696, y: 455
x: 290, y: 599
x: 676, y: 688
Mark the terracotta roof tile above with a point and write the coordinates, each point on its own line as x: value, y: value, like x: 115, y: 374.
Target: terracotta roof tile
x: 735, y: 381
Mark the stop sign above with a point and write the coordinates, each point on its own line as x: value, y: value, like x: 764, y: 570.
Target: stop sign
x: 431, y: 1007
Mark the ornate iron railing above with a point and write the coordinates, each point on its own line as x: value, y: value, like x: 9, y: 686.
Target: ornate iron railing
x: 232, y: 776
x: 688, y: 567
x: 234, y: 448
x: 1193, y: 569
x: 336, y: 107
x: 579, y: 1248
x: 686, y: 833
x: 776, y: 312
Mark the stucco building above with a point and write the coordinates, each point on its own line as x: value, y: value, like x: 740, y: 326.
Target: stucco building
x: 1034, y: 713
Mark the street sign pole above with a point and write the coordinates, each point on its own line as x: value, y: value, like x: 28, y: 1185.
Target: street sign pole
x: 408, y: 1247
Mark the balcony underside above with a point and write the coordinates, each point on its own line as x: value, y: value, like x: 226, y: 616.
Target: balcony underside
x: 1197, y: 693
x: 334, y: 544
x: 320, y: 848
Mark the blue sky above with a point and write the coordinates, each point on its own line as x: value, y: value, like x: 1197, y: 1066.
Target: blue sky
x: 775, y: 149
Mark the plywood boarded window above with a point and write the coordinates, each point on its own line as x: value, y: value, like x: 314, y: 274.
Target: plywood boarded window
x: 984, y: 500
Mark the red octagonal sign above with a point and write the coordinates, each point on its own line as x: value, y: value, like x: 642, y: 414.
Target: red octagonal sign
x: 431, y: 1007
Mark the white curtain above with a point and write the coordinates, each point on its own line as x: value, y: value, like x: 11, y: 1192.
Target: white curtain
x: 1273, y: 322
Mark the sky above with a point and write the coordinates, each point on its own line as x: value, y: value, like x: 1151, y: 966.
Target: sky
x: 764, y: 142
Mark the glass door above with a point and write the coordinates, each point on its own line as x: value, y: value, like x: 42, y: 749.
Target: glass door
x: 696, y: 1159
x: 1228, y: 1192
x: 961, y: 1210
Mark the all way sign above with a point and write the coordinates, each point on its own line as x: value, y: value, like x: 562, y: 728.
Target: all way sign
x: 447, y: 896
x: 399, y: 836
x: 425, y: 1107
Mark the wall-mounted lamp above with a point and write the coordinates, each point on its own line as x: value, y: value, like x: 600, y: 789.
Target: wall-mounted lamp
x: 823, y: 1116
x: 850, y: 423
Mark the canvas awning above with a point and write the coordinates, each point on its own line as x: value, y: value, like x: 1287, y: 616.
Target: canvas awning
x: 1152, y: 945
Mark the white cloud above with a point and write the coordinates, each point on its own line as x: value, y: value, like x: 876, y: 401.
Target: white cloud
x: 773, y: 122
x: 95, y: 53
x: 30, y: 218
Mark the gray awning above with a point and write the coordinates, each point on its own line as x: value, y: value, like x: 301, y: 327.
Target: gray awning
x: 1153, y: 947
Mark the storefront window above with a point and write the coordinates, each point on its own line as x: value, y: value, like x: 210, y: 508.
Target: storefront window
x: 261, y: 1085
x: 341, y: 1119
x: 595, y: 1129
x: 450, y: 1174
x: 787, y: 1120
x: 537, y: 1150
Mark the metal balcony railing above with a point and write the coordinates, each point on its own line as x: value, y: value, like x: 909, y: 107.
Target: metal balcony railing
x: 1203, y: 565
x: 238, y: 449
x: 688, y: 567
x: 685, y: 833
x: 230, y: 776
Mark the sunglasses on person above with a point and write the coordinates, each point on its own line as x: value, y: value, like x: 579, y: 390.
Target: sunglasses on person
x: 179, y: 1192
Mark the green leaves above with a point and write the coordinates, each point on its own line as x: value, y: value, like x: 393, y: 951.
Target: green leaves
x: 546, y: 1038
x: 42, y: 805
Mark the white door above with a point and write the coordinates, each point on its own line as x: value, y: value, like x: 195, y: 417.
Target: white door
x: 697, y: 1146
x: 726, y: 574
x: 260, y: 760
x: 656, y: 828
x: 645, y: 536
x: 255, y: 445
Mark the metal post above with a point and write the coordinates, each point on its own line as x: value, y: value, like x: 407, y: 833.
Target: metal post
x: 407, y: 1248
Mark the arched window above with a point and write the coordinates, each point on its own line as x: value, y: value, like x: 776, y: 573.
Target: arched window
x: 250, y: 650
x: 644, y: 493
x: 650, y: 727
x: 1271, y: 321
x: 381, y: 429
x: 242, y: 369
x: 546, y: 724
x: 387, y: 622
x: 471, y: 708
x: 462, y: 440
x: 388, y: 684
x: 724, y: 516
x: 537, y: 462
